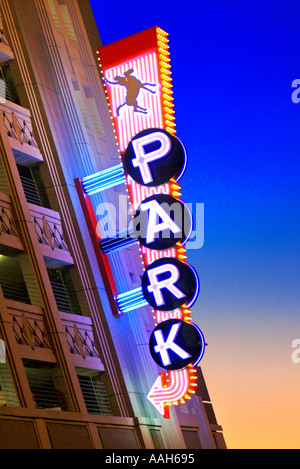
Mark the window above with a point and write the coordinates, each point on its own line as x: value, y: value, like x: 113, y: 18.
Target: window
x: 47, y: 385
x: 93, y: 110
x: 67, y: 20
x: 12, y: 281
x: 8, y: 395
x: 59, y: 11
x: 94, y: 392
x: 7, y: 86
x: 64, y: 291
x: 33, y: 186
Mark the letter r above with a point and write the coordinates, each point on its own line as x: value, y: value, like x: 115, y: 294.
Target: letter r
x: 156, y: 285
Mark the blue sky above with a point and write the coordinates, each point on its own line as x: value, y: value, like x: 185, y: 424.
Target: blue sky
x: 233, y: 64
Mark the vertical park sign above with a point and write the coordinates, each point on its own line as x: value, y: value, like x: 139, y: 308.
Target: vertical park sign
x: 136, y: 73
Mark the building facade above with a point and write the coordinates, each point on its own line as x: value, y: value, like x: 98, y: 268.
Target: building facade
x: 75, y: 375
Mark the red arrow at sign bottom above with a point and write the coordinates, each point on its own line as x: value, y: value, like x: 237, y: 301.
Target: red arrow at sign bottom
x: 166, y: 391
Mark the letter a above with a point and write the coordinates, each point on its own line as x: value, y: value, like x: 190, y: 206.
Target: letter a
x: 155, y: 211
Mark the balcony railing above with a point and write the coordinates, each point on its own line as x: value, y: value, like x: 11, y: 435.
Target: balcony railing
x: 17, y: 122
x: 9, y: 239
x: 81, y: 341
x: 28, y: 325
x: 31, y: 335
x: 48, y: 228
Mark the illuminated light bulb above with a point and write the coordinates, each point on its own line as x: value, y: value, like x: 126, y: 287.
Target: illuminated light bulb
x: 164, y: 66
x: 164, y: 56
x: 168, y: 107
x: 182, y: 256
x: 168, y: 100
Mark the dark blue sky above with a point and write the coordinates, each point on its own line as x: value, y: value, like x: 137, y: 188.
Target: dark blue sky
x: 233, y: 64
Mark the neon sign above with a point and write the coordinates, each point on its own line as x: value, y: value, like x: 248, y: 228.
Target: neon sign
x: 137, y: 80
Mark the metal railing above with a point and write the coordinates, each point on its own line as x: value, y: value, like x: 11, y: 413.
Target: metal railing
x: 31, y: 191
x: 14, y: 287
x: 65, y: 298
x: 47, y: 385
x: 95, y: 395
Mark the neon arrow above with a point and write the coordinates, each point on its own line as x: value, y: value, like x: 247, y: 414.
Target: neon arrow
x: 170, y: 388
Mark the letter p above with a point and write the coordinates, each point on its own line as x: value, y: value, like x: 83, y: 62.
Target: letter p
x: 143, y: 158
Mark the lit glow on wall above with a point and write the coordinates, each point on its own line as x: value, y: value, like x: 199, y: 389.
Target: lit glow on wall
x: 108, y: 245
x: 131, y: 300
x: 103, y: 180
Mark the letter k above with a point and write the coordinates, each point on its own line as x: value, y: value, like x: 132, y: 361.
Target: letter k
x: 163, y: 346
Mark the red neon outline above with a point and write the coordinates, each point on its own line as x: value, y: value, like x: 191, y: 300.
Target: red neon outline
x: 125, y: 49
x: 103, y: 262
x: 169, y: 388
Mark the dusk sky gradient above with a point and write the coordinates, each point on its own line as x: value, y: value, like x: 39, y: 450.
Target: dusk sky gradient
x: 233, y: 64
